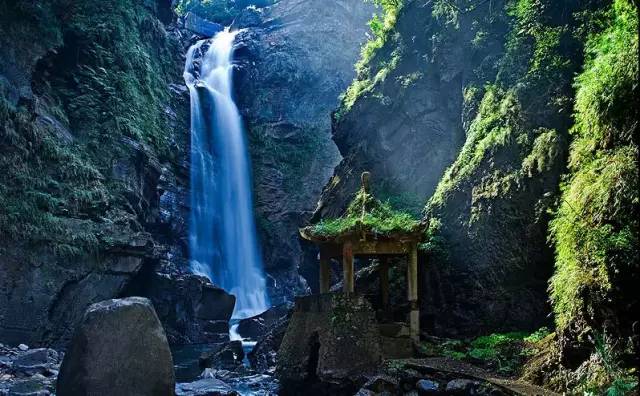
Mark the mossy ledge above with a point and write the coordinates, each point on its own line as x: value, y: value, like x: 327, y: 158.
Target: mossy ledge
x: 366, y: 214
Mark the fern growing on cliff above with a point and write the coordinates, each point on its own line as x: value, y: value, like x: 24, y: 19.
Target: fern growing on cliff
x: 382, y: 29
x: 99, y: 83
x: 596, y: 229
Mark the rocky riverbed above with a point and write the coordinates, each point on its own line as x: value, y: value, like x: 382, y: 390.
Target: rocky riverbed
x: 94, y: 358
x: 33, y: 372
x: 140, y: 359
x: 243, y: 381
x: 27, y: 371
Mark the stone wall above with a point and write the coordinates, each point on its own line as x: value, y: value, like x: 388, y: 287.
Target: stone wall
x: 332, y: 340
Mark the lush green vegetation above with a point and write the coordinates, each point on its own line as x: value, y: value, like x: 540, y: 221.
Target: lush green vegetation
x: 518, y: 113
x: 221, y: 11
x: 367, y: 213
x: 505, y: 353
x: 381, y: 26
x: 596, y: 229
x: 512, y: 114
x: 499, y: 125
x: 398, y: 198
x: 608, y: 375
x: 101, y: 91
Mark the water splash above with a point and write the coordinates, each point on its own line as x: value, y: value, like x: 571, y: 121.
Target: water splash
x: 222, y: 235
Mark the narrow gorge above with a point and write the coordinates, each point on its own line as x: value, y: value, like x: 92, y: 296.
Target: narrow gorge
x: 311, y: 197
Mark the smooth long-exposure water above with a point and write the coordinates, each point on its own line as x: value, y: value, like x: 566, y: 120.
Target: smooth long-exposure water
x: 222, y: 240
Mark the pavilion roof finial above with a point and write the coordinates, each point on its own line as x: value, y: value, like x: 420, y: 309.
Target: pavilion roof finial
x: 366, y: 176
x: 365, y: 219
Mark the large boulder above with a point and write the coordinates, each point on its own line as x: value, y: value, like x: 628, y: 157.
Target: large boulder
x: 119, y: 349
x: 264, y: 353
x: 191, y: 309
x: 227, y: 356
x: 331, y: 343
x: 85, y: 251
x: 259, y: 325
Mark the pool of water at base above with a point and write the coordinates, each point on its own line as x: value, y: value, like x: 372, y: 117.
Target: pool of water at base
x: 246, y: 382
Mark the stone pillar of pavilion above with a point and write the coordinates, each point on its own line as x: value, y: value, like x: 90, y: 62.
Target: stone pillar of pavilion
x: 384, y: 283
x: 325, y: 273
x: 348, y: 281
x: 364, y: 231
x: 412, y: 292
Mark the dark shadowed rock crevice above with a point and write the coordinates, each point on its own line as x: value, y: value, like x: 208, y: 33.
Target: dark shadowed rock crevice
x: 257, y: 326
x: 191, y: 309
x: 294, y: 60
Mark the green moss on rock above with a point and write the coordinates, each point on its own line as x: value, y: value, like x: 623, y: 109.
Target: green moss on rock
x: 83, y: 95
x: 506, y: 353
x: 373, y: 69
x: 366, y: 213
x: 596, y: 228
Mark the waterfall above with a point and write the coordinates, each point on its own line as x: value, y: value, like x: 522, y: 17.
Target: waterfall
x: 222, y: 234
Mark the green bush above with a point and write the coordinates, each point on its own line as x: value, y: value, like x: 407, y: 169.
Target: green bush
x: 221, y: 11
x: 603, y: 373
x: 504, y: 353
x: 498, y: 123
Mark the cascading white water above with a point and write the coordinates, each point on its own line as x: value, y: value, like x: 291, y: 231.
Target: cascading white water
x: 222, y: 235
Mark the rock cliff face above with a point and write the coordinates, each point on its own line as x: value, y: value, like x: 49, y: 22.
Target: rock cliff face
x: 94, y: 134
x: 405, y: 126
x: 488, y: 160
x: 490, y: 258
x: 95, y: 130
x: 295, y: 59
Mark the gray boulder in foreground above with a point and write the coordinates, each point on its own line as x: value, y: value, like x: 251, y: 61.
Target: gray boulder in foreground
x: 119, y: 348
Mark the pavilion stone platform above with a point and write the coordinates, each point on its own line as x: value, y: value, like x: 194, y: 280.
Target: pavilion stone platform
x: 332, y: 338
x: 371, y: 230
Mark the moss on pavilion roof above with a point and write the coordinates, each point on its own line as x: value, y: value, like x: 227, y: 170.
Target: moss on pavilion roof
x: 365, y: 215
